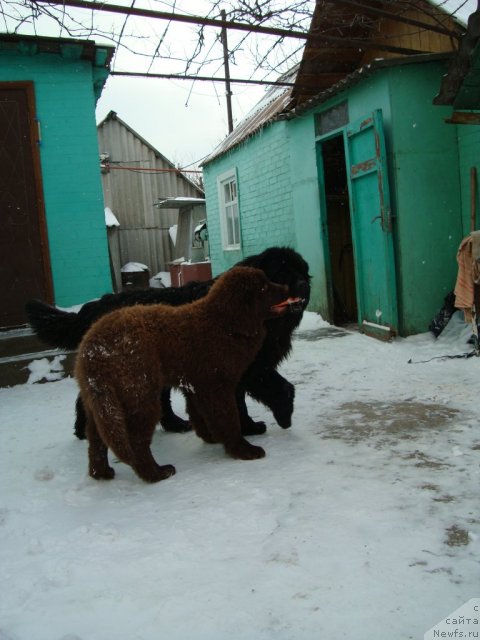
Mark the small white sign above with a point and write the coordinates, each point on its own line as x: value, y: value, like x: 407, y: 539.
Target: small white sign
x: 462, y: 623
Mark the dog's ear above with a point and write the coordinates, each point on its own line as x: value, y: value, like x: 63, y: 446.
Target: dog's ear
x: 244, y: 297
x: 249, y: 318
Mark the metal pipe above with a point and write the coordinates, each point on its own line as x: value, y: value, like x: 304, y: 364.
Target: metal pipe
x: 228, y: 92
x: 173, y: 76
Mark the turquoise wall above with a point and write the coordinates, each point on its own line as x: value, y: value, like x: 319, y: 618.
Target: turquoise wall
x: 422, y: 156
x: 306, y: 207
x: 469, y: 149
x: 428, y: 207
x: 265, y: 196
x: 65, y: 103
x: 309, y: 220
x: 425, y: 187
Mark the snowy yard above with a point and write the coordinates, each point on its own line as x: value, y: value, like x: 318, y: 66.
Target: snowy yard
x: 361, y: 523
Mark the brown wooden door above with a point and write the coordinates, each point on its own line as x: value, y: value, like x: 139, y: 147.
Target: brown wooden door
x: 24, y: 262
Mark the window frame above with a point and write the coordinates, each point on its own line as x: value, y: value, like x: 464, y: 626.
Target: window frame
x: 223, y: 179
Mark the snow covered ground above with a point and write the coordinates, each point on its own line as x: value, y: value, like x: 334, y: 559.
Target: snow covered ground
x: 362, y: 522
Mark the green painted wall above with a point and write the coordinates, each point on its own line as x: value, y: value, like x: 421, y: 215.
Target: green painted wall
x: 308, y: 219
x: 65, y: 102
x: 306, y: 207
x: 425, y: 187
x: 469, y: 149
x: 422, y: 156
x: 265, y: 196
x: 428, y: 203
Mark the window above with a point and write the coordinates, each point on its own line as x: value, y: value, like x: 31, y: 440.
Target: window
x: 229, y: 210
x: 331, y: 119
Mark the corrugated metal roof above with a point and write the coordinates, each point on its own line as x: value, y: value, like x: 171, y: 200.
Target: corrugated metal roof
x: 179, y: 203
x: 113, y: 116
x: 275, y: 101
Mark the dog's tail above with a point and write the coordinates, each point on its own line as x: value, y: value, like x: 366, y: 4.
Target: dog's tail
x: 55, y: 327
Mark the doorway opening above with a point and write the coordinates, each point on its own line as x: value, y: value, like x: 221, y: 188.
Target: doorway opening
x: 339, y: 233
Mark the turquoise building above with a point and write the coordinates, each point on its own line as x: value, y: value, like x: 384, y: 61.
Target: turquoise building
x: 366, y: 178
x: 53, y: 241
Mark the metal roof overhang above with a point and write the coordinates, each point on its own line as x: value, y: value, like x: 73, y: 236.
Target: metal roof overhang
x: 179, y: 203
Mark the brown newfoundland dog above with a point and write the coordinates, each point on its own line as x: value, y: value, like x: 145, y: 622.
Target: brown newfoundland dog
x: 128, y: 356
x: 63, y: 329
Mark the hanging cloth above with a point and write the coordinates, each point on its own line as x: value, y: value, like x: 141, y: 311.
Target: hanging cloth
x: 468, y: 275
x: 475, y: 236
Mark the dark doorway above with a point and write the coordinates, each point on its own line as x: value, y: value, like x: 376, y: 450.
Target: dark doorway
x: 342, y: 267
x: 24, y: 263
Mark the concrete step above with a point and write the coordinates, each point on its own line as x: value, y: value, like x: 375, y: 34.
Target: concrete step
x: 22, y: 355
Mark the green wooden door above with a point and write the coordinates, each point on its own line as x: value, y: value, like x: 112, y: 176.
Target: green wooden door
x: 371, y: 225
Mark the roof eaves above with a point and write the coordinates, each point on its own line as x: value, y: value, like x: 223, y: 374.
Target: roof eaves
x: 359, y: 74
x: 100, y: 55
x: 253, y: 124
x: 269, y: 109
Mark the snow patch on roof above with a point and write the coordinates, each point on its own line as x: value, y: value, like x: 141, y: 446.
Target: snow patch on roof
x: 275, y: 101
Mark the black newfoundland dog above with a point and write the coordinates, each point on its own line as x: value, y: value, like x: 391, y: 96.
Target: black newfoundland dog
x: 261, y: 381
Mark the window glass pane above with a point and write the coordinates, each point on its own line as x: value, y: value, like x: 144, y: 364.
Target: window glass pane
x: 230, y: 212
x: 331, y: 119
x: 230, y: 240
x: 236, y: 230
x: 226, y: 192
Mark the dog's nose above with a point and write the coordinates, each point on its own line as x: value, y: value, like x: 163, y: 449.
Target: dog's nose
x: 301, y: 289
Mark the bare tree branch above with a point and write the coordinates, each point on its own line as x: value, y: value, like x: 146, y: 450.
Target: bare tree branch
x: 146, y: 45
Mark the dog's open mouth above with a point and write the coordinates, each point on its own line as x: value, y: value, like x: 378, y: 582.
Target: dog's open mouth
x: 290, y: 305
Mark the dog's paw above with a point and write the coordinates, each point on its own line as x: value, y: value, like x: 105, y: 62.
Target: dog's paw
x: 103, y: 473
x: 284, y: 419
x: 157, y: 473
x: 79, y: 431
x: 252, y: 428
x: 243, y: 450
x: 175, y: 424
x: 283, y: 412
